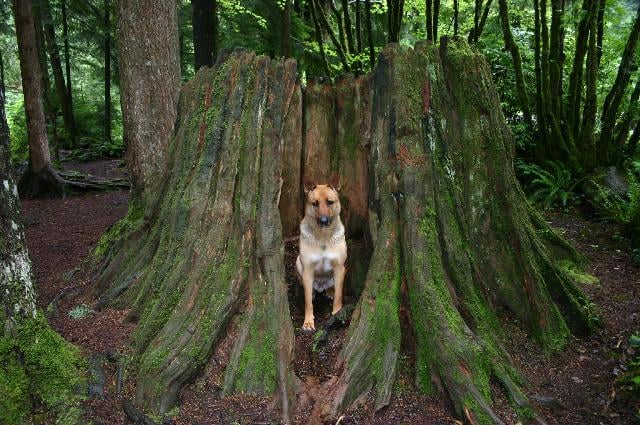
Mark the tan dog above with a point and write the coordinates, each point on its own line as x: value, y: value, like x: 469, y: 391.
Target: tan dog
x: 323, y: 249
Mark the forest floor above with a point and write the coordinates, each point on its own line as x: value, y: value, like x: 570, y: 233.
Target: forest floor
x: 579, y: 383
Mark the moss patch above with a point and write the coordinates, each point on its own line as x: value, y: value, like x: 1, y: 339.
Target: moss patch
x: 119, y: 230
x: 576, y: 273
x: 38, y: 369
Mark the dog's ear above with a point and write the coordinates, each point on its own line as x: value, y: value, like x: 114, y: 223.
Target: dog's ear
x: 334, y: 182
x: 308, y: 187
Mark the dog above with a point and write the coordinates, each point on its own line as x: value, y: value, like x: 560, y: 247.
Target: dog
x: 323, y: 249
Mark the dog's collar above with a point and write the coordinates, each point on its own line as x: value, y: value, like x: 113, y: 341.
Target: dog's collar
x: 308, y: 237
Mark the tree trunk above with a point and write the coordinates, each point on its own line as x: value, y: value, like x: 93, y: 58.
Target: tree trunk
x: 608, y: 151
x: 436, y: 16
x: 16, y: 282
x: 624, y: 126
x: 107, y: 71
x: 340, y: 47
x: 205, y: 31
x: 358, y: 20
x: 285, y: 48
x: 348, y: 27
x: 149, y: 69
x: 428, y: 8
x: 368, y: 25
x: 39, y: 179
x: 427, y: 165
x: 475, y: 33
x: 512, y: 46
x: 587, y: 142
x: 575, y: 79
x: 67, y: 60
x: 319, y: 37
x: 56, y: 67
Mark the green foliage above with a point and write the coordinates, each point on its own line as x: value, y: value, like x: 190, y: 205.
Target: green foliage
x: 80, y: 311
x: 19, y: 144
x: 38, y: 368
x: 552, y: 187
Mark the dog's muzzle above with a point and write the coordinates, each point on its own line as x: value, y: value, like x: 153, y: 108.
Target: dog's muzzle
x: 324, y: 220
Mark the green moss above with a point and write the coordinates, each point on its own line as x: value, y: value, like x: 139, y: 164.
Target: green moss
x: 576, y: 273
x: 120, y: 230
x: 38, y: 369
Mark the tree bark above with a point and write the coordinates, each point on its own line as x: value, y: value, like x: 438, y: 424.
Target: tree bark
x: 436, y: 15
x: 205, y: 32
x: 107, y: 71
x: 513, y: 48
x: 285, y: 48
x: 319, y: 37
x: 575, y: 79
x: 16, y: 281
x: 148, y: 54
x: 367, y: 17
x: 358, y: 20
x: 587, y: 142
x: 475, y: 33
x: 425, y: 159
x: 40, y: 179
x: 67, y: 59
x: 348, y: 27
x: 428, y: 8
x: 56, y: 68
x: 608, y: 151
x: 337, y: 43
x: 624, y: 126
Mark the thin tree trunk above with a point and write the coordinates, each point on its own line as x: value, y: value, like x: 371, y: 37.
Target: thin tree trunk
x: 394, y: 19
x: 149, y: 70
x: 1, y: 75
x: 348, y: 26
x: 107, y: 71
x: 319, y: 38
x: 611, y: 106
x: 205, y: 32
x: 339, y: 22
x: 40, y: 179
x: 337, y: 44
x: 588, y: 148
x: 358, y: 27
x: 512, y: 46
x: 556, y: 58
x: 475, y: 33
x: 575, y: 78
x: 58, y: 75
x: 436, y: 16
x: 541, y: 152
x: 285, y: 49
x: 601, y: 8
x: 624, y: 125
x: 428, y: 7
x: 456, y: 12
x: 367, y: 16
x: 67, y: 59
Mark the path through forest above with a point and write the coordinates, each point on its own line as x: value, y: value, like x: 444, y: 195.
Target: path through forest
x: 61, y: 233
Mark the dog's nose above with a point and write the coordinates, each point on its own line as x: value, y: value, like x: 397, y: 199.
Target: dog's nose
x: 324, y: 220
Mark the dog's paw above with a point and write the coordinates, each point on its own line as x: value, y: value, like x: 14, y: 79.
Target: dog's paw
x: 308, y: 325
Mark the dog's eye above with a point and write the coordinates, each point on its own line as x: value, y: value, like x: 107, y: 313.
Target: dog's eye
x: 330, y: 202
x: 316, y: 204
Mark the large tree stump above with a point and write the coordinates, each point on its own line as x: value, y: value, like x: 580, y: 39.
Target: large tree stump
x: 426, y: 162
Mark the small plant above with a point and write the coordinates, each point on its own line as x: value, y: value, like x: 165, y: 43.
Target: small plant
x: 552, y: 187
x: 80, y: 311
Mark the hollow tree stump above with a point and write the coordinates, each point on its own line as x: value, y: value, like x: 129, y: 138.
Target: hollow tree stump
x: 426, y: 163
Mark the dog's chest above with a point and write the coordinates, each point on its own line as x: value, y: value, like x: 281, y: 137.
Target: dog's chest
x: 322, y: 260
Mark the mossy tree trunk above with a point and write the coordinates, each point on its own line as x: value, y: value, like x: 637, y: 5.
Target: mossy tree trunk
x: 39, y: 179
x: 426, y: 164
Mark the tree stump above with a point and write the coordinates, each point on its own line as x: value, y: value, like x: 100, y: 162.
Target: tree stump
x: 425, y: 159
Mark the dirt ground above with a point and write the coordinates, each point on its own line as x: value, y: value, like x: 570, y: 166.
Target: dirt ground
x: 579, y: 381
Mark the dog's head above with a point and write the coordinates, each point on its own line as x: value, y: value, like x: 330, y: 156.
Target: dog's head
x: 322, y: 203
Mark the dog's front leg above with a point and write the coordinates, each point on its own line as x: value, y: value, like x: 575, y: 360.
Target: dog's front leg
x: 338, y: 276
x: 307, y: 283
